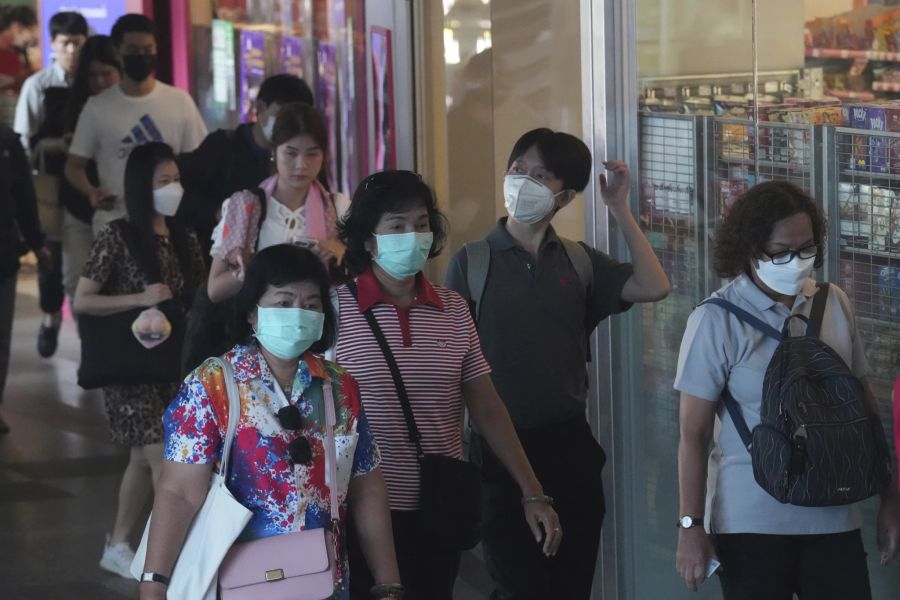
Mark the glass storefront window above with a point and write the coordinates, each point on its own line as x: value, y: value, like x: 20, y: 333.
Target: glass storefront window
x: 825, y: 73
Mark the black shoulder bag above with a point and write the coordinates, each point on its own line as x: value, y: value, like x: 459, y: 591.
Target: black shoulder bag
x: 449, y: 489
x: 111, y: 355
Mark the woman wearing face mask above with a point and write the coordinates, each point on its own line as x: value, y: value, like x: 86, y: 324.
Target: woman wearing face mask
x: 114, y: 280
x: 392, y: 228
x: 282, y: 318
x: 291, y: 207
x: 769, y: 244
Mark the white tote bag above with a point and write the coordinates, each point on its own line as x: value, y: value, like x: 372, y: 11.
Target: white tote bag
x: 214, y: 529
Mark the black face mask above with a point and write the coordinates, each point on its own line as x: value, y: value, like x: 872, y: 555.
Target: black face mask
x: 139, y: 66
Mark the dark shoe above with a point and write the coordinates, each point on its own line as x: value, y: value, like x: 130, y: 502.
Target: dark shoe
x: 4, y: 428
x: 48, y: 337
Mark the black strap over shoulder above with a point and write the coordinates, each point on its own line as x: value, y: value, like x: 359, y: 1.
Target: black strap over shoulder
x: 817, y: 312
x: 414, y: 436
x: 263, y: 207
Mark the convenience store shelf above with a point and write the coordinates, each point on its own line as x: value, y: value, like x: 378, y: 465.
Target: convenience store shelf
x: 766, y: 164
x: 851, y: 96
x: 853, y: 54
x: 858, y: 176
x: 886, y: 86
x: 851, y: 250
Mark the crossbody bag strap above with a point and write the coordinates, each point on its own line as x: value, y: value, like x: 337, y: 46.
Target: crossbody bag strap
x: 330, y: 450
x: 414, y: 436
x: 234, y: 412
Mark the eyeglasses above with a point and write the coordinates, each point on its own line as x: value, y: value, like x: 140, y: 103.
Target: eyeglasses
x: 299, y: 449
x: 783, y: 258
x: 386, y: 179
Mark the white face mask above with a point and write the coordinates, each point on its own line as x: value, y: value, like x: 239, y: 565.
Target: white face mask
x: 527, y: 199
x: 785, y: 279
x: 268, y: 129
x: 167, y: 199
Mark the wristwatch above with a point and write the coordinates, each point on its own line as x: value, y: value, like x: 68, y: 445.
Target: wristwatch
x: 687, y: 521
x: 150, y: 577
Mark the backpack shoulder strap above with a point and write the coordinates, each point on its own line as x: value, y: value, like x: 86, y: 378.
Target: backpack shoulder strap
x: 746, y: 317
x: 581, y: 260
x: 478, y: 259
x: 731, y: 405
x: 817, y: 312
x: 261, y: 197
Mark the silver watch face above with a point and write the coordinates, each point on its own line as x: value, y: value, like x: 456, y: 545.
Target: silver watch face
x: 687, y: 522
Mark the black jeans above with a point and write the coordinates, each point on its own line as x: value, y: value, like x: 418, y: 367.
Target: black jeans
x: 426, y: 573
x: 775, y: 567
x: 50, y: 280
x: 7, y: 310
x: 568, y: 462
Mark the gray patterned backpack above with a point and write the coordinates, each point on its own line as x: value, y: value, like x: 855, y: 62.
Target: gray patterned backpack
x: 819, y: 442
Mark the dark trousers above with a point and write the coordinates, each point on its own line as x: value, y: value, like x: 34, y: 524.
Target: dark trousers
x: 427, y: 573
x: 50, y: 280
x: 775, y: 567
x: 568, y: 462
x: 7, y: 309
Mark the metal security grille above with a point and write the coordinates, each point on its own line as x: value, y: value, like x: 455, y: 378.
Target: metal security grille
x: 868, y: 205
x: 670, y: 148
x: 668, y: 216
x: 786, y: 153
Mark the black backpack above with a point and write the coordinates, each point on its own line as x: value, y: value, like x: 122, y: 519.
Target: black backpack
x: 819, y: 442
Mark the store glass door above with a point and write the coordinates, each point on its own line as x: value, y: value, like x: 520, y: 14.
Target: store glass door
x: 696, y: 145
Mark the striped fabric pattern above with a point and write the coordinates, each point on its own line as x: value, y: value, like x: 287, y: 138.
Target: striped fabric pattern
x: 444, y: 353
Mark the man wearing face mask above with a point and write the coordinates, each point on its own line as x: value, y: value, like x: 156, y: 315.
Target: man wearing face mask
x: 231, y: 160
x: 537, y: 298
x: 138, y: 110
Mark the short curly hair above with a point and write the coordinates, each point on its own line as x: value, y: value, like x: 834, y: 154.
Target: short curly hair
x: 743, y: 234
x: 387, y: 192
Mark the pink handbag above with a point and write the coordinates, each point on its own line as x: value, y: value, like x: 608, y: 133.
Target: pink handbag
x: 292, y: 566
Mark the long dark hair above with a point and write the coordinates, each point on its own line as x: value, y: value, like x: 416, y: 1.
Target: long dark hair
x: 101, y: 49
x: 139, y: 170
x: 299, y: 118
x: 280, y: 265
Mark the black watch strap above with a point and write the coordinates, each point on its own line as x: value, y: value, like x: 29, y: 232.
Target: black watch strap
x: 151, y: 577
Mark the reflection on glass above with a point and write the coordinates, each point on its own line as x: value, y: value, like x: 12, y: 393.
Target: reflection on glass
x: 828, y: 70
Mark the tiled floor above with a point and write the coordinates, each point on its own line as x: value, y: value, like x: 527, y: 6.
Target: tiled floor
x: 59, y: 476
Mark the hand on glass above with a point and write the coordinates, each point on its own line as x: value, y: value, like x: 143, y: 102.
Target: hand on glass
x: 614, y: 188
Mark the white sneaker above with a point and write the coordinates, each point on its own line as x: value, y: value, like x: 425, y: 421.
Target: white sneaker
x: 117, y: 559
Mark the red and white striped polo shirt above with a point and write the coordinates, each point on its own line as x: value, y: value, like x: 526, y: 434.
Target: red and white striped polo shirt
x: 436, y: 347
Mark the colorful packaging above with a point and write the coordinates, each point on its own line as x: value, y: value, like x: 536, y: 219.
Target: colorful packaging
x: 879, y: 148
x: 859, y: 145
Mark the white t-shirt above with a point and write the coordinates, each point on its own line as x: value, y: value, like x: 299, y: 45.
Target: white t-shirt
x: 30, y: 106
x: 112, y: 123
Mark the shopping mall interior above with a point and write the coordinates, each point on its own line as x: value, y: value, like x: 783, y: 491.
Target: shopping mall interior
x: 701, y: 98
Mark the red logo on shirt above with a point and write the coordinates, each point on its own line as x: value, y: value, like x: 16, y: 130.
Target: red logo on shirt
x: 565, y: 281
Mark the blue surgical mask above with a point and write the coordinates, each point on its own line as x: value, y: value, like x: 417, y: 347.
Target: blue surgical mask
x: 402, y: 255
x: 288, y: 332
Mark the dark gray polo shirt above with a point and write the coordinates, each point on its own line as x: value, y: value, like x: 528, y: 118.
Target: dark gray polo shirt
x: 535, y: 319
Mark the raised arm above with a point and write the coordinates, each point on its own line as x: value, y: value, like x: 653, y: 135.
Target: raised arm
x: 648, y: 283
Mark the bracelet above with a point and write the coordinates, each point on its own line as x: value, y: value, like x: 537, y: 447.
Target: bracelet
x: 389, y: 591
x: 541, y: 498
